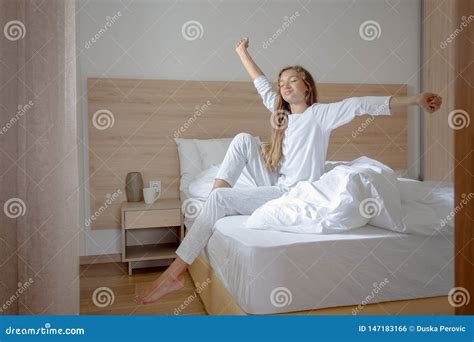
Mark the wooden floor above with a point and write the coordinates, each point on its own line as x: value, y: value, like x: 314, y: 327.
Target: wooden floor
x: 115, y: 282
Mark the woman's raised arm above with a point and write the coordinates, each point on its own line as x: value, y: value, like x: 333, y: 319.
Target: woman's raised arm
x: 260, y: 82
x: 252, y: 68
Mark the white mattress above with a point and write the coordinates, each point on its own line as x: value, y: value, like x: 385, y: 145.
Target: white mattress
x: 273, y: 272
x: 319, y: 271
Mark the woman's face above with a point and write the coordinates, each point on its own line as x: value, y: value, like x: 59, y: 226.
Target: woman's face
x: 292, y: 87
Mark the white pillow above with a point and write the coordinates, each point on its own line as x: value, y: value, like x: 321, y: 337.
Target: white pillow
x: 201, y: 185
x: 189, y: 161
x: 212, y: 151
x: 197, y: 155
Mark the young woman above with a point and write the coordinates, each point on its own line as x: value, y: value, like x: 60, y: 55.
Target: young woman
x: 296, y: 151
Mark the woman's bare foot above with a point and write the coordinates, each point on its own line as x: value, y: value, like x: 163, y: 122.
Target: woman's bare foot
x: 163, y: 285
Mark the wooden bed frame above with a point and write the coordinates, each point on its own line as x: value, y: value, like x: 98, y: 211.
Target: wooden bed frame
x: 147, y: 114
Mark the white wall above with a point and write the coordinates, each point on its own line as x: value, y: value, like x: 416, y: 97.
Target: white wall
x: 146, y: 41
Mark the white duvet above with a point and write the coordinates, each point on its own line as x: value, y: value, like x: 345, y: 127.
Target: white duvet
x: 348, y: 196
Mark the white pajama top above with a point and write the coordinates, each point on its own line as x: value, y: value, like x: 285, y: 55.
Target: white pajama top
x: 307, y: 134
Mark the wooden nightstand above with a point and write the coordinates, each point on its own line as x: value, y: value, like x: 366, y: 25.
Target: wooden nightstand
x: 139, y: 215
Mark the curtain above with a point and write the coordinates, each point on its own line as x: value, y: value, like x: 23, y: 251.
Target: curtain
x: 39, y: 176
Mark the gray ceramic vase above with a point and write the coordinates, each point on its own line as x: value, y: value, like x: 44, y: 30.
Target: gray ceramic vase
x: 134, y: 187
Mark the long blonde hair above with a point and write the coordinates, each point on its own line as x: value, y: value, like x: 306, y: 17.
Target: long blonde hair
x: 272, y: 152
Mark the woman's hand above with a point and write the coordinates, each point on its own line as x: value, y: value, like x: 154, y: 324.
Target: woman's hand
x: 429, y: 101
x: 242, y: 45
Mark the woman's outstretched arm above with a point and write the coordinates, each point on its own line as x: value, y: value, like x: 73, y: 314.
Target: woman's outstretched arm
x: 334, y: 115
x: 242, y: 50
x: 428, y: 101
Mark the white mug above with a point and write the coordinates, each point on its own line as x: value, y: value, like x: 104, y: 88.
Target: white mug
x: 149, y: 194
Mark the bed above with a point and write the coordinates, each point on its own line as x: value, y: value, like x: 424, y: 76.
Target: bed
x: 261, y: 272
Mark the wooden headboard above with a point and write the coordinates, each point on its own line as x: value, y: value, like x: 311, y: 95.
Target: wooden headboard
x: 132, y: 124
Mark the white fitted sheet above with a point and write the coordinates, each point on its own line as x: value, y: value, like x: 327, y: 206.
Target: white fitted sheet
x: 327, y: 270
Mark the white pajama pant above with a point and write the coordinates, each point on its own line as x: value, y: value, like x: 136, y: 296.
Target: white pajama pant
x: 244, y: 151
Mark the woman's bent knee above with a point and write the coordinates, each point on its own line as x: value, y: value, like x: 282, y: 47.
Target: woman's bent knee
x: 242, y: 138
